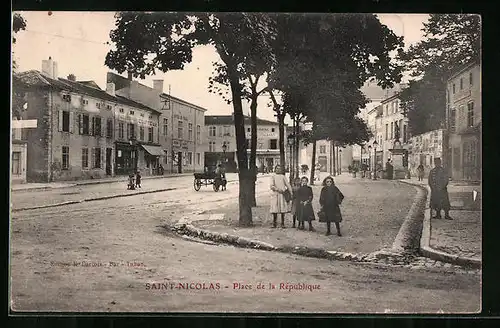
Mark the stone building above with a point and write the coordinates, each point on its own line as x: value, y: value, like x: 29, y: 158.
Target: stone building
x: 181, y: 124
x: 220, y: 132
x: 425, y: 147
x: 79, y: 128
x: 463, y: 116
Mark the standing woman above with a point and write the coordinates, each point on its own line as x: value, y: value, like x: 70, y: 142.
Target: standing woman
x: 295, y: 201
x: 420, y: 172
x: 330, y: 199
x: 305, y: 210
x: 280, y: 187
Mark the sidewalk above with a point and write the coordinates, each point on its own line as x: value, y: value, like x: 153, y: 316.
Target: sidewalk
x: 370, y: 219
x: 457, y: 240
x: 65, y: 184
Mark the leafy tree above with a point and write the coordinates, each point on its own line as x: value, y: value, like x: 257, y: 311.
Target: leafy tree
x: 451, y: 41
x: 145, y: 42
x: 18, y: 24
x: 18, y: 100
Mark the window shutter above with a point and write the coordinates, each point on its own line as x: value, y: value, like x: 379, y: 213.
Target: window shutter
x: 102, y: 157
x: 71, y: 122
x: 79, y: 123
x: 60, y: 120
x: 91, y: 127
x: 92, y: 158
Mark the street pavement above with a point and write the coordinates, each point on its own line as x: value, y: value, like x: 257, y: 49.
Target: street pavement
x: 108, y: 255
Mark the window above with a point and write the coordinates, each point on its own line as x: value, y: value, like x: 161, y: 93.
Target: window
x: 83, y: 124
x: 109, y: 107
x: 96, y: 163
x: 461, y: 83
x: 273, y: 144
x: 65, y: 157
x: 211, y: 131
x: 130, y: 130
x: 150, y: 134
x: 165, y: 126
x: 141, y: 133
x: 453, y: 88
x: 16, y: 162
x: 470, y: 114
x: 121, y: 130
x: 190, y: 158
x: 131, y: 112
x: 198, y: 158
x: 386, y: 131
x: 166, y: 157
x: 85, y: 102
x: 121, y: 110
x: 180, y: 130
x: 65, y: 121
x: 109, y: 128
x: 85, y: 158
x: 190, y: 131
x: 392, y: 130
x: 98, y: 105
x: 248, y: 129
x: 227, y: 145
x: 400, y: 127
x: 322, y: 149
x: 211, y: 146
x: 272, y: 129
x: 198, y: 134
x: 471, y: 81
x: 405, y: 133
x: 97, y: 126
x: 452, y: 123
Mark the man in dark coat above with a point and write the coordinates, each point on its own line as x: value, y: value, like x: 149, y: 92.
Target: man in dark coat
x: 438, y: 182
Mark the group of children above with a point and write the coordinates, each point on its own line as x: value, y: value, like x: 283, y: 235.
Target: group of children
x: 330, y: 199
x: 134, y: 180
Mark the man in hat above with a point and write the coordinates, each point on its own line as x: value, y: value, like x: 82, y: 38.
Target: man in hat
x: 438, y: 182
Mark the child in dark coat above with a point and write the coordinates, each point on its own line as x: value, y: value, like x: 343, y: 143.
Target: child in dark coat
x: 138, y: 179
x: 330, y: 199
x: 295, y: 201
x: 305, y: 210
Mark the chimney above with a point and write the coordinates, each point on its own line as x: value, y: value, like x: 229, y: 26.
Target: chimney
x: 158, y: 85
x: 48, y: 67
x: 72, y: 77
x: 55, y: 72
x: 110, y: 88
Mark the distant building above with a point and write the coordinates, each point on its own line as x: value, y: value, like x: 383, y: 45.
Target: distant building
x: 83, y: 132
x: 181, y: 124
x: 463, y: 116
x: 220, y: 131
x: 425, y: 148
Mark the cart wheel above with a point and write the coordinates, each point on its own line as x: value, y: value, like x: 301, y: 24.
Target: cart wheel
x: 216, y: 186
x: 197, y: 184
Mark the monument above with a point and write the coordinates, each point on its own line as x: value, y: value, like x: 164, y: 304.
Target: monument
x: 397, y: 155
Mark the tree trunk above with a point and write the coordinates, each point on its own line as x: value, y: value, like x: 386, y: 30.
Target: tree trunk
x: 281, y: 122
x: 245, y: 179
x: 334, y: 159
x: 253, y: 150
x: 313, y: 163
x: 297, y: 147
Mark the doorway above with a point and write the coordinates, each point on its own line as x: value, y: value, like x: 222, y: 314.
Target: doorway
x: 109, y: 170
x: 179, y: 162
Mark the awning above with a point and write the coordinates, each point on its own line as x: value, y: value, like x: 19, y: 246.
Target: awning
x: 154, y: 150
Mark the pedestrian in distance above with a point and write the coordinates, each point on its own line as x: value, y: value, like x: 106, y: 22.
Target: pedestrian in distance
x: 438, y: 182
x: 330, y: 199
x: 295, y: 201
x: 138, y: 179
x: 131, y: 181
x: 420, y: 172
x: 305, y: 210
x: 281, y: 196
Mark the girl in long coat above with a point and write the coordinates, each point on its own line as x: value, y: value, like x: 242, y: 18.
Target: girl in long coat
x: 305, y: 210
x: 295, y: 202
x: 330, y: 199
x: 279, y: 205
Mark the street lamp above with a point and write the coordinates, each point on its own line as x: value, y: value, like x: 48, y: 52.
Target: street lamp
x: 340, y: 161
x: 375, y: 144
x: 370, y: 159
x: 290, y: 141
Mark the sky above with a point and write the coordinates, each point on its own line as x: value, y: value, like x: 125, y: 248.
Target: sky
x: 77, y: 42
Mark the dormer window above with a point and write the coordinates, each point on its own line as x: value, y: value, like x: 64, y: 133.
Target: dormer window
x: 66, y: 97
x: 121, y: 110
x: 150, y: 116
x: 98, y: 105
x: 109, y: 107
x: 85, y: 102
x: 131, y: 112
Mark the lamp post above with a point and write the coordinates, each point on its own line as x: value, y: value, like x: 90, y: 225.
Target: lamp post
x: 370, y: 169
x: 340, y: 161
x: 375, y: 144
x: 289, y: 141
x: 133, y: 142
x: 224, y: 148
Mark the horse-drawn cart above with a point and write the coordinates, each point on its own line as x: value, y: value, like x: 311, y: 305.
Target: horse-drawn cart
x: 206, y: 179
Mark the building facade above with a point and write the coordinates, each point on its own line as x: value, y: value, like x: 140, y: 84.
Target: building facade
x: 19, y: 153
x: 425, y: 147
x: 221, y: 138
x: 78, y: 128
x: 181, y: 125
x: 463, y: 116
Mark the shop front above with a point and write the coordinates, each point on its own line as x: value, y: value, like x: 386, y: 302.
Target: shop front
x: 125, y: 158
x: 153, y: 156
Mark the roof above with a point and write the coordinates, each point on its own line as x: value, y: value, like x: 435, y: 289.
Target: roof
x: 463, y: 68
x: 229, y: 120
x: 36, y: 79
x: 123, y: 82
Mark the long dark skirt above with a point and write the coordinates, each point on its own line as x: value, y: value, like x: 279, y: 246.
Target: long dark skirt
x: 332, y: 214
x: 440, y: 199
x: 305, y: 213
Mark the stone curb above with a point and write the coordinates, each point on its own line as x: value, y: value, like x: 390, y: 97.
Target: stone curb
x: 408, y: 237
x: 91, y: 200
x: 429, y: 252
